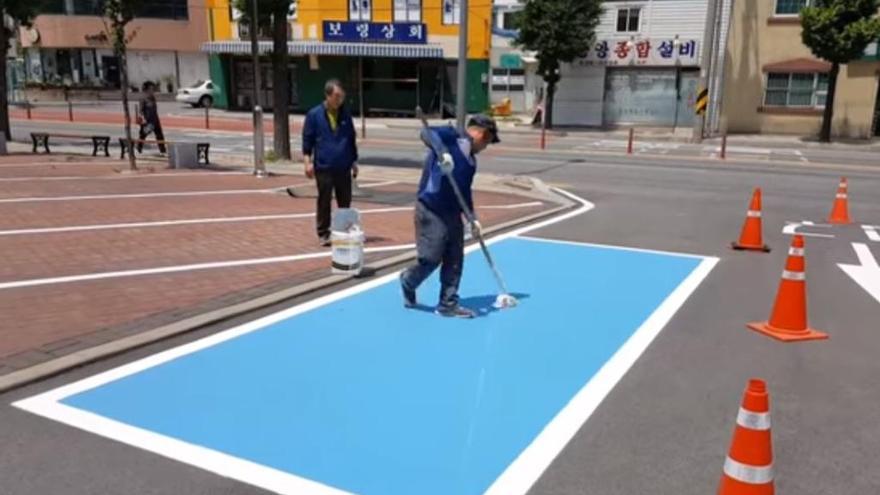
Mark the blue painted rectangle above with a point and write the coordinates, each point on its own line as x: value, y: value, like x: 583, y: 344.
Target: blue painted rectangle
x: 375, y: 32
x: 365, y: 396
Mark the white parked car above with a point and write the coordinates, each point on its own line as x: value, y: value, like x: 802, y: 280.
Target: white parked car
x: 200, y: 94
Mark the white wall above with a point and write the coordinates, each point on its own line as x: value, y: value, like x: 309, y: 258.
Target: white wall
x: 155, y: 66
x: 193, y: 67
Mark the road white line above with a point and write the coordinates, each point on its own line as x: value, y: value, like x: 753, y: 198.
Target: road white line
x: 216, y: 220
x: 871, y: 232
x: 227, y: 192
x: 18, y: 284
x: 801, y: 156
x: 52, y: 164
x: 118, y: 176
x: 378, y: 184
x: 791, y: 228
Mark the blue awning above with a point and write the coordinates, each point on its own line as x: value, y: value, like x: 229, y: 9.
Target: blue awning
x: 383, y: 50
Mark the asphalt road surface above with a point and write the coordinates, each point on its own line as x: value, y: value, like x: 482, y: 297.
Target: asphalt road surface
x: 665, y: 427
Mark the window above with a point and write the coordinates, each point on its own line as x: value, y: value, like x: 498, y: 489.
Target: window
x: 510, y: 19
x: 796, y: 90
x: 451, y: 11
x: 790, y: 7
x: 628, y: 20
x: 360, y: 10
x: 155, y: 9
x: 507, y: 80
x: 408, y: 10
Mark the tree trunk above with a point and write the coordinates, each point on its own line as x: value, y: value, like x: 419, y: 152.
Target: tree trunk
x: 4, y: 100
x: 548, y: 104
x: 280, y: 82
x: 828, y: 114
x: 123, y: 72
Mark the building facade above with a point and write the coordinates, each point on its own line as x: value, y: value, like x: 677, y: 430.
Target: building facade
x: 774, y: 84
x: 68, y: 46
x: 643, y: 68
x: 514, y: 73
x: 392, y: 55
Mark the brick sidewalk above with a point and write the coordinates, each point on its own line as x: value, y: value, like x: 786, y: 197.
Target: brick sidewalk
x: 46, y: 317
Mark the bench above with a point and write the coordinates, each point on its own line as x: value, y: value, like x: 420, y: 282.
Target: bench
x: 203, y: 148
x: 99, y: 143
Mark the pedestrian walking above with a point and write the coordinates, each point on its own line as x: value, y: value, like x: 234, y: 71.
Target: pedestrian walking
x: 439, y: 229
x: 148, y: 118
x: 329, y: 147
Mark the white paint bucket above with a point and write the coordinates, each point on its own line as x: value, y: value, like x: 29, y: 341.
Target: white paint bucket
x: 347, y: 241
x: 348, y: 251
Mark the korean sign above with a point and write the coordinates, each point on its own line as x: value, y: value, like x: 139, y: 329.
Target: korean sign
x: 642, y: 52
x: 375, y: 32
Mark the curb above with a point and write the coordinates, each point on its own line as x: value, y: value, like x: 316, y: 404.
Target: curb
x: 83, y: 357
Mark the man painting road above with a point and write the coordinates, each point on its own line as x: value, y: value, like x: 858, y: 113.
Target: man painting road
x: 330, y: 154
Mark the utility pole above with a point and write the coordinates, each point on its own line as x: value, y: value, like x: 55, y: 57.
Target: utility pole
x: 707, y: 46
x: 259, y: 166
x: 461, y: 87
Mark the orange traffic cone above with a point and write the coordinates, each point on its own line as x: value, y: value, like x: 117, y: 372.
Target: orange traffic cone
x: 750, y: 238
x: 840, y: 211
x: 788, y: 322
x: 748, y: 469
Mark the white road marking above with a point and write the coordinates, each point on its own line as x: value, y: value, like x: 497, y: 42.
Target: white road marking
x: 517, y: 478
x: 871, y: 232
x: 801, y: 156
x: 18, y: 284
x: 867, y: 272
x: 227, y: 192
x: 52, y: 164
x: 118, y: 176
x: 215, y: 220
x: 791, y: 228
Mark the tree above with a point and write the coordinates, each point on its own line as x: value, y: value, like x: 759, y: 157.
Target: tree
x: 117, y: 15
x: 558, y: 31
x: 13, y: 13
x: 838, y: 31
x: 274, y: 14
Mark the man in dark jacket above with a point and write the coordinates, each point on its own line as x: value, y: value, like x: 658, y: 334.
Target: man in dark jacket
x: 330, y: 152
x: 438, y: 216
x: 149, y: 118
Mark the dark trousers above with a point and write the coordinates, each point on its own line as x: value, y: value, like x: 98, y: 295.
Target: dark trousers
x: 146, y: 129
x: 330, y: 181
x: 439, y: 242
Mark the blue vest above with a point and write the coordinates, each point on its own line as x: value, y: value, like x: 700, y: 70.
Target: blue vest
x: 435, y: 192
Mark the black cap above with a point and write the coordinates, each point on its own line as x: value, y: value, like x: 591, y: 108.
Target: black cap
x: 487, y: 123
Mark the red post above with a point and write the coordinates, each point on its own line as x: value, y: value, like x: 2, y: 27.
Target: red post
x: 207, y: 117
x: 629, y: 144
x: 724, y: 146
x: 543, y: 129
x: 70, y: 110
x: 27, y: 106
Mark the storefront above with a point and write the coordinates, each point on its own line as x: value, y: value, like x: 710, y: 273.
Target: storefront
x: 649, y: 82
x: 392, y: 79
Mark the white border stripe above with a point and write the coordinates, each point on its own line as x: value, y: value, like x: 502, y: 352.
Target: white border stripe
x: 516, y: 479
x: 116, y: 177
x: 753, y: 420
x: 196, y: 221
x: 138, y: 195
x: 18, y: 284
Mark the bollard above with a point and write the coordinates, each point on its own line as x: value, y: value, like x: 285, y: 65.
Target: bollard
x: 27, y: 107
x: 543, y: 138
x: 259, y: 164
x: 629, y: 144
x: 70, y: 110
x: 207, y: 117
x: 724, y: 146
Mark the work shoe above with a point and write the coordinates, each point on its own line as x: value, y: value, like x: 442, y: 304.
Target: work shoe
x: 455, y: 312
x: 324, y: 241
x: 409, y: 296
